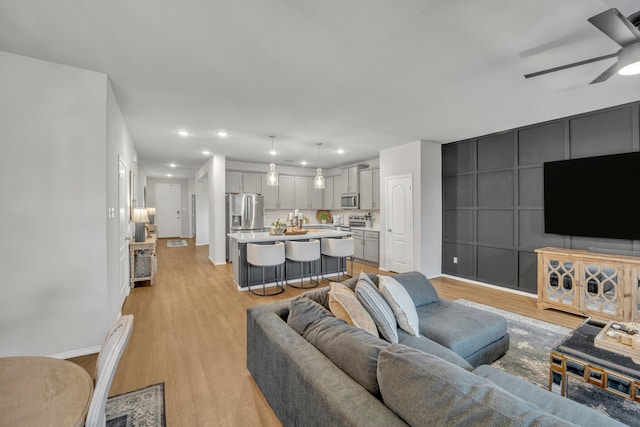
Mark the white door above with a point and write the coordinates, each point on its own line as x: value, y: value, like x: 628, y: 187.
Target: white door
x: 399, y: 239
x: 168, y: 210
x: 123, y: 226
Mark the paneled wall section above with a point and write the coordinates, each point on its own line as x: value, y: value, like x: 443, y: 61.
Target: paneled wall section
x: 493, y: 194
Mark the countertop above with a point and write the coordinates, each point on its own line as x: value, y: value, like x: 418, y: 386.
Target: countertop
x: 264, y: 236
x: 376, y: 229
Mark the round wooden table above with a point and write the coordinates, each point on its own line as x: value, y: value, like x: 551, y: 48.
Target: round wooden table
x: 43, y: 391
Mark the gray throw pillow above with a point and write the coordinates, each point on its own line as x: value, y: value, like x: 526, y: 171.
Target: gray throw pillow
x: 303, y: 312
x: 351, y: 349
x: 419, y: 287
x: 426, y: 390
x: 379, y: 310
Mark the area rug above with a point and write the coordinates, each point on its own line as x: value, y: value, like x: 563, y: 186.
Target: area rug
x: 531, y: 341
x: 138, y: 408
x: 176, y: 243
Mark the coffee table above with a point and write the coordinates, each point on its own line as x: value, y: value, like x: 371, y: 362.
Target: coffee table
x: 577, y: 357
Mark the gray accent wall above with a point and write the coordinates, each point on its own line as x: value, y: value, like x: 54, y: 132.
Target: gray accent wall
x: 493, y: 194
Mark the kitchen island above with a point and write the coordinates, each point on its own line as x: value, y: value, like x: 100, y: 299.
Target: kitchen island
x: 292, y: 271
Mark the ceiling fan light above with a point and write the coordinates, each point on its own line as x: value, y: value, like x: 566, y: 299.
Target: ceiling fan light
x: 272, y: 176
x: 629, y: 60
x: 318, y: 180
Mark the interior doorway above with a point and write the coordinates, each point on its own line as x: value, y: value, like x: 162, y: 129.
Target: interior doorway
x: 399, y: 219
x: 168, y: 210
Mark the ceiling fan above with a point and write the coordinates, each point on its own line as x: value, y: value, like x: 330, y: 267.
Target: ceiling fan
x: 621, y: 30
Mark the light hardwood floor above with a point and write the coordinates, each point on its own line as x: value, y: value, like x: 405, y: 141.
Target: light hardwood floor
x: 189, y: 332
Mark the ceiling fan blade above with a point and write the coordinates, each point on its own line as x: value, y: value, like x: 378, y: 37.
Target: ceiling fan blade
x: 607, y: 73
x: 616, y: 27
x: 562, y: 41
x: 574, y: 64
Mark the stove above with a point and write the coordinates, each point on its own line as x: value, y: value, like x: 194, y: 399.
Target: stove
x: 357, y: 221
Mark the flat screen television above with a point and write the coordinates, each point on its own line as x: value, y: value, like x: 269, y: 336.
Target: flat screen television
x: 593, y: 197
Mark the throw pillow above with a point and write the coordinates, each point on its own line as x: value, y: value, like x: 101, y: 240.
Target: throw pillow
x: 344, y: 304
x: 351, y: 349
x: 303, y: 312
x: 364, y: 276
x: 419, y: 287
x: 401, y: 303
x: 379, y: 310
x: 426, y: 390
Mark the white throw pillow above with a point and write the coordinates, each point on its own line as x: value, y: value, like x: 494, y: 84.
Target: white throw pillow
x: 401, y: 303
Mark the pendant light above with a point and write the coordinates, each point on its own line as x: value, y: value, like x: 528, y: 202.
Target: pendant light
x: 318, y: 180
x: 272, y: 175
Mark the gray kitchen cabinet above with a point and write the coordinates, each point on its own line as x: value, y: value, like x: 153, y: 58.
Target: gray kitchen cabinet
x: 285, y: 192
x: 233, y: 182
x: 301, y: 192
x: 376, y: 189
x: 243, y: 182
x: 269, y: 193
x: 317, y: 195
x: 371, y: 246
x: 358, y: 244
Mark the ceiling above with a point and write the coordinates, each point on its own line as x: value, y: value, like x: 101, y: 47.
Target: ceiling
x: 361, y: 75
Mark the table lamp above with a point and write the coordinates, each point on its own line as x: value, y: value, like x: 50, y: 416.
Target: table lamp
x: 152, y: 215
x: 140, y: 218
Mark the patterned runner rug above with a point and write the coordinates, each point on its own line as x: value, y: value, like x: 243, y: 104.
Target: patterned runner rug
x: 138, y: 408
x: 531, y: 341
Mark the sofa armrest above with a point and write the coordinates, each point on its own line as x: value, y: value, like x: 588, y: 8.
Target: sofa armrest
x: 302, y: 386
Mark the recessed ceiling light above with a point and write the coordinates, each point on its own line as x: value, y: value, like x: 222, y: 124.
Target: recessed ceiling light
x: 169, y: 175
x: 340, y: 151
x: 183, y: 132
x: 304, y: 162
x: 272, y: 152
x: 172, y: 165
x: 222, y: 134
x: 206, y: 153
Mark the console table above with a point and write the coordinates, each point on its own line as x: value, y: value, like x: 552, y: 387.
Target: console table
x: 601, y: 286
x: 143, y: 260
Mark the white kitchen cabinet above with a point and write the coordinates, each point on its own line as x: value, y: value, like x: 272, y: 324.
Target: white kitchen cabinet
x: 376, y: 189
x: 317, y: 195
x: 327, y: 194
x: 285, y: 192
x: 350, y: 179
x: 269, y: 193
x: 243, y: 182
x: 252, y: 183
x: 370, y: 189
x: 337, y: 192
x: 233, y: 182
x: 301, y: 192
x: 345, y: 180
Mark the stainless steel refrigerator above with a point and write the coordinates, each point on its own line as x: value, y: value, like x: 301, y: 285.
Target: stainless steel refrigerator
x: 245, y: 212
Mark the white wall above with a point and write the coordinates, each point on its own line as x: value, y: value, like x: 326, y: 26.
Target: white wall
x: 54, y: 270
x: 421, y: 160
x: 210, y: 182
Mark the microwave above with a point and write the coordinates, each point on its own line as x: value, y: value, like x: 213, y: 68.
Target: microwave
x: 350, y: 201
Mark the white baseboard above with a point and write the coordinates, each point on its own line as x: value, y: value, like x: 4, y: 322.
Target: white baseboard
x: 216, y: 263
x: 486, y: 285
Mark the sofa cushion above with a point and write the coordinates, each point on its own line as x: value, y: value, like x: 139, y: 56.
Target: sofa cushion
x: 344, y: 304
x: 351, y: 349
x: 429, y: 346
x: 401, y: 303
x: 320, y: 295
x: 303, y: 312
x: 549, y: 402
x: 426, y: 390
x: 463, y: 329
x: 419, y: 287
x: 379, y: 310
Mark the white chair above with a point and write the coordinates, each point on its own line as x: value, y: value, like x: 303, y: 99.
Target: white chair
x: 341, y: 249
x: 303, y: 252
x: 108, y: 358
x: 271, y: 255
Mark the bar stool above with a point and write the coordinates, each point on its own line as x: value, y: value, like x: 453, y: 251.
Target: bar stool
x: 303, y: 252
x: 341, y: 249
x: 266, y: 256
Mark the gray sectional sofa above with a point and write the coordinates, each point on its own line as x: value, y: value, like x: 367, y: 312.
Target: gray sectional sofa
x: 316, y: 370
